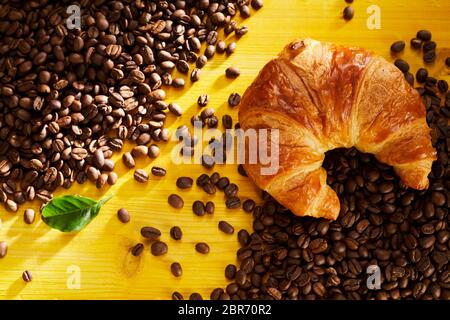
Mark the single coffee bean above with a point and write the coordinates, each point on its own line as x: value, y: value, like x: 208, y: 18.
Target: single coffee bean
x: 184, y: 182
x: 398, y: 46
x: 112, y: 178
x: 123, y: 215
x: 209, y: 188
x: 140, y: 175
x: 128, y: 160
x: 409, y: 78
x: 175, y: 109
x: 221, y: 46
x: 195, y: 296
x: 203, y: 100
x: 231, y: 48
x: 177, y: 296
x: 225, y: 227
x: 402, y: 65
x: 421, y: 75
x: 153, y: 151
x: 178, y: 83
x: 231, y: 190
x: 232, y: 72
x: 29, y: 216
x: 248, y: 205
x: 175, y: 201
x: 230, y: 271
x: 348, y: 13
x: 3, y: 249
x: 176, y: 269
x: 176, y: 233
x: 234, y: 99
x: 150, y: 233
x: 195, y: 75
x: 227, y: 121
x: 210, y: 51
x: 158, y: 171
x: 159, y: 248
x: 198, y: 208
x: 222, y: 183
x: 233, y: 202
x: 257, y: 4
x: 442, y: 85
x: 429, y: 56
x: 202, y: 248
x: 137, y: 249
x: 210, y: 207
x: 26, y: 276
x: 139, y: 151
x: 241, y: 170
x: 424, y: 35
x: 416, y: 43
x: 428, y: 46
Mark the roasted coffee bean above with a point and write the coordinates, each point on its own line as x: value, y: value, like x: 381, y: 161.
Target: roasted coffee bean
x: 227, y: 121
x: 210, y: 207
x: 195, y: 75
x: 184, y: 182
x: 140, y: 175
x: 209, y: 188
x: 202, y: 248
x: 175, y: 201
x: 139, y: 151
x: 225, y: 227
x: 29, y: 216
x: 175, y: 109
x: 429, y: 56
x: 159, y: 248
x: 222, y: 183
x: 176, y: 269
x: 3, y: 249
x: 128, y: 160
x: 428, y: 46
x: 177, y: 296
x: 257, y: 4
x: 232, y: 72
x: 234, y: 99
x: 416, y: 43
x: 153, y: 151
x: 137, y: 249
x: 230, y: 271
x: 195, y: 296
x: 248, y: 205
x: 176, y: 233
x: 26, y: 276
x: 348, y: 13
x: 158, y: 171
x: 242, y: 171
x: 150, y: 233
x: 398, y: 46
x: 221, y: 46
x: 424, y: 35
x: 233, y: 202
x: 421, y: 75
x: 442, y: 85
x: 231, y: 48
x: 123, y: 215
x: 231, y: 190
x: 203, y: 100
x: 198, y: 207
x: 402, y: 65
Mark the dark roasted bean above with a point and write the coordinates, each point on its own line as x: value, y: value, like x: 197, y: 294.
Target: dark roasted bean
x: 175, y: 201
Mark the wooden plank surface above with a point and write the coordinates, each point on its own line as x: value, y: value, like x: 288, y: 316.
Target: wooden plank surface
x: 99, y: 254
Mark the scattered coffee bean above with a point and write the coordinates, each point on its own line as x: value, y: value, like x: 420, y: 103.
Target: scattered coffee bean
x: 203, y: 100
x: 176, y: 201
x: 398, y: 46
x: 3, y: 249
x: 175, y: 109
x: 221, y: 46
x: 128, y: 160
x: 233, y: 202
x: 210, y: 207
x: 402, y: 65
x: 153, y: 151
x: 158, y: 171
x: 227, y: 121
x: 416, y: 43
x: 29, y: 216
x: 424, y: 35
x: 348, y: 13
x: 26, y: 276
x: 195, y: 296
x: 184, y: 182
x: 222, y: 183
x: 429, y: 46
x: 201, y: 62
x: 257, y: 4
x: 123, y: 215
x: 241, y: 170
x: 137, y: 249
x: 150, y: 233
x: 231, y: 190
x: 159, y: 248
x: 177, y: 296
x: 231, y: 48
x: 230, y: 271
x: 421, y: 75
x: 140, y: 175
x: 429, y: 56
x: 139, y: 151
x: 232, y: 72
x: 198, y: 208
x: 176, y: 269
x: 225, y: 227
x: 202, y: 248
x: 442, y: 85
x: 195, y: 75
x: 248, y: 205
x: 176, y: 233
x: 234, y: 99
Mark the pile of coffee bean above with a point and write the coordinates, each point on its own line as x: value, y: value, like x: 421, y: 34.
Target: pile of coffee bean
x: 404, y: 233
x: 70, y: 97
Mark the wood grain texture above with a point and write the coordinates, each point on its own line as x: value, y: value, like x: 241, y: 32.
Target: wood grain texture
x: 101, y: 251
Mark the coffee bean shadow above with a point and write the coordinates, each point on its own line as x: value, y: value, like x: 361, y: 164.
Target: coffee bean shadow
x: 16, y: 287
x: 221, y: 82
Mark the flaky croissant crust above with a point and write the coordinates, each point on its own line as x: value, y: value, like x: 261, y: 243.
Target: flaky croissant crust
x: 322, y: 96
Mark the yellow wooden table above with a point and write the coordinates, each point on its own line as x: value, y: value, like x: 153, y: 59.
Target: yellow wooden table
x: 96, y: 264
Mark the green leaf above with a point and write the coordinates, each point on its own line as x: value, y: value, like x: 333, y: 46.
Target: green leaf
x: 71, y: 213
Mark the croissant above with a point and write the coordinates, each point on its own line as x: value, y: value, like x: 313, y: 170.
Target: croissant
x: 321, y: 96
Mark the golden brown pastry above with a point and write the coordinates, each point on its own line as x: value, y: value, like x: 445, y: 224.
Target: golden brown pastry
x: 322, y: 96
